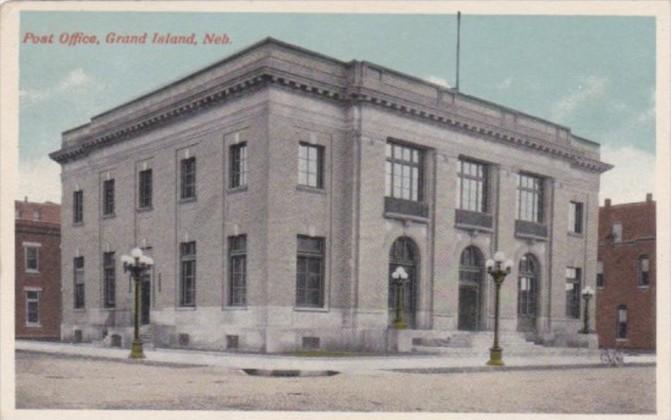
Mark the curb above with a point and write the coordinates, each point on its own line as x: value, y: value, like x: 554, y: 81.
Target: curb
x: 476, y: 369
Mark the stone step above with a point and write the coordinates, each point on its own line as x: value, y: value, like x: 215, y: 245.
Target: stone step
x: 530, y: 350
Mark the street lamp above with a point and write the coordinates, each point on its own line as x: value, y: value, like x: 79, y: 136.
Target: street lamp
x: 137, y: 263
x: 399, y: 277
x: 587, y: 294
x: 498, y: 268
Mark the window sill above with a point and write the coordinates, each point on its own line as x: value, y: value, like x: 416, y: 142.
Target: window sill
x: 403, y: 217
x: 187, y: 200
x: 185, y: 308
x: 576, y: 235
x: 473, y: 228
x: 644, y: 287
x: 81, y: 310
x: 32, y: 272
x: 235, y: 190
x: 309, y: 189
x: 108, y: 308
x: 235, y: 308
x: 310, y: 309
x: 621, y: 340
x: 144, y: 209
x: 33, y: 325
x: 77, y: 224
x: 109, y: 216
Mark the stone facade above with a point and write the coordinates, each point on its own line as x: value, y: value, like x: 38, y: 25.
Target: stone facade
x: 38, y: 270
x: 623, y: 287
x: 274, y: 97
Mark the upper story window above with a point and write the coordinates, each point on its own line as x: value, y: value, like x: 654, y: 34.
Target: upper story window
x: 188, y: 178
x: 575, y: 217
x: 37, y: 215
x: 237, y: 260
x: 145, y: 189
x: 108, y: 197
x: 530, y: 198
x: 573, y: 292
x: 238, y: 165
x: 311, y: 165
x: 187, y: 274
x: 78, y: 206
x: 600, y: 280
x: 32, y: 253
x: 616, y: 232
x: 79, y: 296
x: 472, y: 186
x: 310, y: 272
x: 404, y: 172
x: 643, y: 271
x: 19, y: 214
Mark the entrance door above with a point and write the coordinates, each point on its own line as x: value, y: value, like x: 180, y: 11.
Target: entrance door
x: 404, y: 254
x: 468, y: 308
x: 145, y: 300
x: 527, y: 294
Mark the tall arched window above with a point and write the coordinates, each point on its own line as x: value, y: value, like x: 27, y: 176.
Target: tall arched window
x: 527, y: 286
x: 471, y: 266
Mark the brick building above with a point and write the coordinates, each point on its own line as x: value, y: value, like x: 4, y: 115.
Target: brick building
x: 626, y: 280
x: 277, y: 189
x: 38, y: 270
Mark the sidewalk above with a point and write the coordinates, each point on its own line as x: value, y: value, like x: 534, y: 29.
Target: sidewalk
x: 352, y: 365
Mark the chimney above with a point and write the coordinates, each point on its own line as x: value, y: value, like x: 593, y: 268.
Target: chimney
x: 25, y: 198
x: 648, y: 197
x: 607, y: 203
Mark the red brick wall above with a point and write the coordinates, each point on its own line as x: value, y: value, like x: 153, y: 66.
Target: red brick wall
x: 48, y: 279
x: 620, y: 265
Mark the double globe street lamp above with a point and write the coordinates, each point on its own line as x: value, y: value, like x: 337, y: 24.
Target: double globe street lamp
x: 137, y: 264
x: 498, y: 268
x: 399, y: 277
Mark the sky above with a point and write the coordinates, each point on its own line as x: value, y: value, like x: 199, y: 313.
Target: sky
x: 593, y: 74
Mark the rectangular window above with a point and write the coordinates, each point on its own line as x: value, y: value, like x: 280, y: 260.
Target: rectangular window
x: 32, y: 259
x: 79, y: 297
x: 600, y: 280
x: 238, y: 165
x: 108, y: 197
x: 109, y: 280
x: 616, y: 232
x: 644, y: 271
x: 573, y: 292
x: 404, y: 175
x: 237, y: 259
x: 529, y: 198
x: 621, y: 329
x: 187, y: 275
x: 145, y: 189
x: 575, y: 217
x: 472, y: 186
x: 188, y: 178
x: 78, y: 206
x: 32, y: 308
x: 311, y: 165
x: 310, y: 272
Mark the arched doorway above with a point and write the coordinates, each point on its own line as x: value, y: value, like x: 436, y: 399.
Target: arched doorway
x: 404, y: 253
x: 471, y: 272
x: 527, y: 293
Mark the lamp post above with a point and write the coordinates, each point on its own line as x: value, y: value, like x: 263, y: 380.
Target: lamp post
x: 587, y: 294
x: 498, y: 268
x: 137, y: 263
x: 399, y: 277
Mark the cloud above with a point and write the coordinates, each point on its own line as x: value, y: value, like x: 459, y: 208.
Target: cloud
x: 632, y: 177
x: 39, y: 180
x: 75, y: 81
x: 505, y: 84
x: 648, y: 114
x: 590, y: 89
x: 438, y: 80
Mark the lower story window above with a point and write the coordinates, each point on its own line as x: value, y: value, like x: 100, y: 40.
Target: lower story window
x: 621, y: 331
x: 310, y: 272
x: 32, y: 308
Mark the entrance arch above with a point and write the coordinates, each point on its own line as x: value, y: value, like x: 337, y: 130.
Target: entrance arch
x: 404, y: 253
x: 471, y: 273
x: 527, y: 293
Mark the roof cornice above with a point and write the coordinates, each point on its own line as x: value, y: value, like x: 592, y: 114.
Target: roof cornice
x: 354, y: 91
